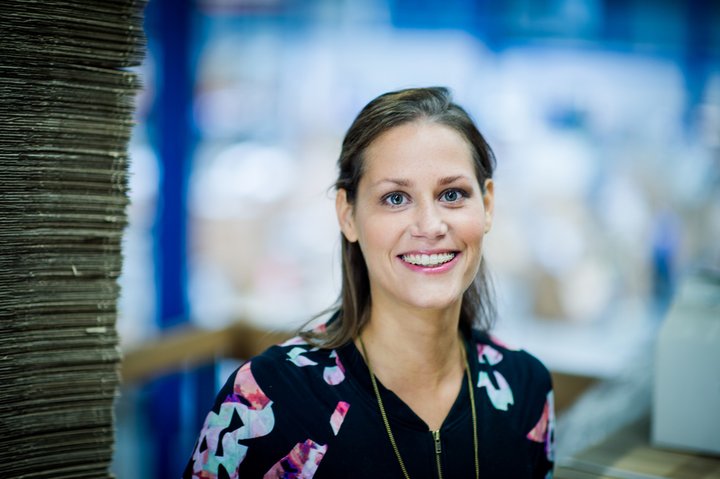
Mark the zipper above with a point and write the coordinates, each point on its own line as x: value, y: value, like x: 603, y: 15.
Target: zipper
x: 438, y: 451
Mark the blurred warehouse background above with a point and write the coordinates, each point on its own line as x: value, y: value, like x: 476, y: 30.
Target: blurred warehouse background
x: 604, y: 116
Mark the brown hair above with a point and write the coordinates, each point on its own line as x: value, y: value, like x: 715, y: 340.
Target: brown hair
x: 380, y: 115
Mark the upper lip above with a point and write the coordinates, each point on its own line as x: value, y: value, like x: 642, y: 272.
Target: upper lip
x: 429, y: 252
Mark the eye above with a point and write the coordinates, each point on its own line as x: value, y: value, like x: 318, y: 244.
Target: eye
x: 453, y: 195
x: 395, y: 199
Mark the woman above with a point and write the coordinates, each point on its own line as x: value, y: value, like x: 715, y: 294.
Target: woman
x: 404, y: 381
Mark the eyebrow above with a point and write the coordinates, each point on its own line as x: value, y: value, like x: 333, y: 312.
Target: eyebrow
x: 396, y: 181
x: 406, y: 183
x: 451, y: 179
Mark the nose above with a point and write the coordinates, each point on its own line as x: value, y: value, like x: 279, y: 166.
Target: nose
x: 428, y: 221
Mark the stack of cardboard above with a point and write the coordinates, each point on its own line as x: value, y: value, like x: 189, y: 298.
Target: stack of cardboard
x: 66, y: 104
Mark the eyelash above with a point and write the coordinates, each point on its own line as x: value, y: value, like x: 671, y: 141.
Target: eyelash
x: 386, y: 199
x: 463, y: 194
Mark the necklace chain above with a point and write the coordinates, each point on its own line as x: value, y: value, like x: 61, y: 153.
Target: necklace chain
x: 386, y: 422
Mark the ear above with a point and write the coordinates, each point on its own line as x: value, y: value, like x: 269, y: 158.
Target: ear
x: 489, y: 203
x: 346, y: 220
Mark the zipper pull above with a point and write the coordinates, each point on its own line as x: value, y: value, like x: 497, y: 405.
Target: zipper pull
x: 436, y: 437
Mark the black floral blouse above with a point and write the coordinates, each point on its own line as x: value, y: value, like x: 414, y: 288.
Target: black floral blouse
x: 296, y: 411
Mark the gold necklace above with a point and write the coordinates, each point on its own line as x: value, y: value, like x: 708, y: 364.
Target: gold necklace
x: 387, y: 423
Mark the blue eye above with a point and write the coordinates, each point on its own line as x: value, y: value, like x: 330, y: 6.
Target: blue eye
x: 395, y: 199
x: 453, y: 195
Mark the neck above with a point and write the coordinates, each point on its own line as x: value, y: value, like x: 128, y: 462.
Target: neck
x: 413, y: 347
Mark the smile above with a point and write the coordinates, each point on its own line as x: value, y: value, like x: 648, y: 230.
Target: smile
x: 428, y: 260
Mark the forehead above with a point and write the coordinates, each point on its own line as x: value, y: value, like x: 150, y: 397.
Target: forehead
x: 418, y: 148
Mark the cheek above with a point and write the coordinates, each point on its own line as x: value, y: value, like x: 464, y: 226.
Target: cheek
x: 377, y: 235
x: 472, y: 231
x: 473, y: 234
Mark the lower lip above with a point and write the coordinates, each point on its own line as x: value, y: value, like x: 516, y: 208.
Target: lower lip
x: 431, y: 269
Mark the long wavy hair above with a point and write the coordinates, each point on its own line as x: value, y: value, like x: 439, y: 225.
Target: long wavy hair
x: 380, y: 115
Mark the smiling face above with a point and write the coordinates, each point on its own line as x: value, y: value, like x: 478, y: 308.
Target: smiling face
x: 419, y: 216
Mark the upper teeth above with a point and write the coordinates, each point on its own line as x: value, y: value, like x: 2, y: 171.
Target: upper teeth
x: 428, y: 259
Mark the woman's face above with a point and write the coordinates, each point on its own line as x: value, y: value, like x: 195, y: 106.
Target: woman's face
x: 419, y: 217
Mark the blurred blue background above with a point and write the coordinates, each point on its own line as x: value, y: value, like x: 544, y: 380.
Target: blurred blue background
x: 604, y: 116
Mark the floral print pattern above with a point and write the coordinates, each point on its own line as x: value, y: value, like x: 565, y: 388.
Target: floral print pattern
x: 338, y: 416
x: 544, y: 430
x: 300, y: 463
x: 219, y: 445
x: 497, y: 388
x: 301, y: 431
x: 334, y: 375
x: 501, y: 396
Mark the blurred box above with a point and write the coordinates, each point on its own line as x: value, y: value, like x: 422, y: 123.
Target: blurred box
x: 686, y: 393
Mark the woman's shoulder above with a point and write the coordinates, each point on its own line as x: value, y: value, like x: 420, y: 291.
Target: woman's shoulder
x: 292, y: 354
x: 517, y: 384
x: 294, y: 363
x: 511, y: 360
x: 271, y: 398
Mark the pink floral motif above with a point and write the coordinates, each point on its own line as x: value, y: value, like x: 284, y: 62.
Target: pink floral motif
x: 294, y: 341
x: 488, y: 355
x: 334, y: 375
x: 537, y: 433
x: 301, y: 463
x: 502, y: 343
x: 338, y: 416
x: 545, y: 427
x: 247, y: 387
x: 320, y: 328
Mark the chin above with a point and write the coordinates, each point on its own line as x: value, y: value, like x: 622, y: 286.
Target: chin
x: 430, y: 303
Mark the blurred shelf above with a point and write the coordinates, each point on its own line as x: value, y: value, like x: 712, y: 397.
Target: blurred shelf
x: 185, y: 347
x: 628, y: 454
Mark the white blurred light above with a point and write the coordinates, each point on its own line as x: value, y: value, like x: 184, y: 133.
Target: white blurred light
x: 558, y: 243
x: 623, y: 209
x: 144, y: 172
x: 240, y: 180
